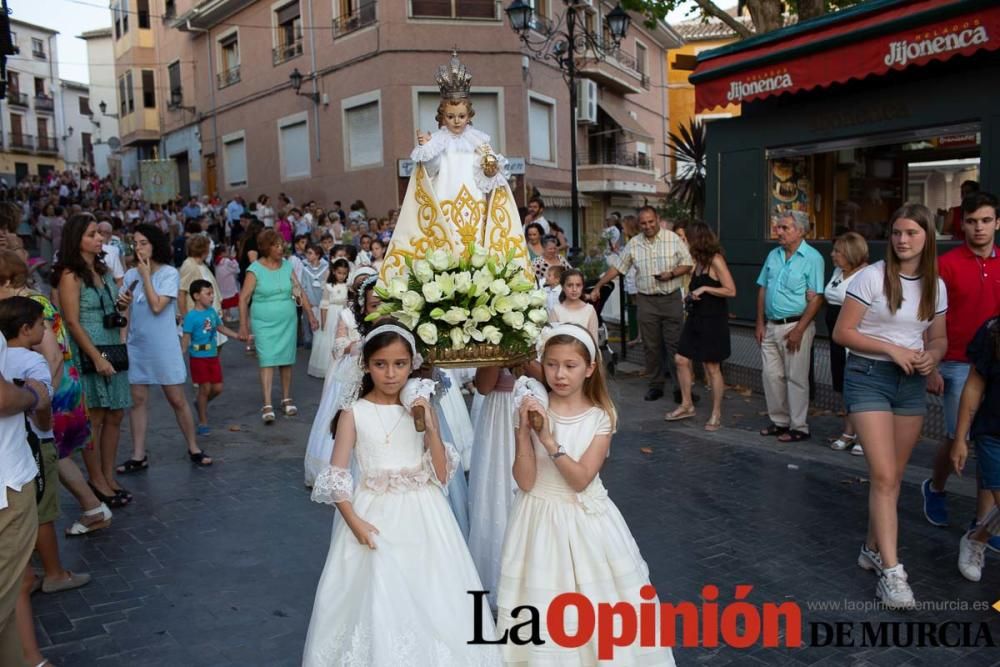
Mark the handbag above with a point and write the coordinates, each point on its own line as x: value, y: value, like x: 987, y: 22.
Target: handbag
x: 117, y: 354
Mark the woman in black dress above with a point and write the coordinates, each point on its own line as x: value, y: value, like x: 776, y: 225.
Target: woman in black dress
x: 705, y: 337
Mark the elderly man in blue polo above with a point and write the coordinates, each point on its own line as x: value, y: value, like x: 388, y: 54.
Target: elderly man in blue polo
x: 791, y: 283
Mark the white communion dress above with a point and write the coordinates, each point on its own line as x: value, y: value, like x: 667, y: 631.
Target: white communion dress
x: 561, y: 541
x: 405, y: 602
x: 333, y: 300
x: 345, y: 365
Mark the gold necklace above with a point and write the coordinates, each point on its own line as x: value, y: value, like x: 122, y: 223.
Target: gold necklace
x: 388, y: 434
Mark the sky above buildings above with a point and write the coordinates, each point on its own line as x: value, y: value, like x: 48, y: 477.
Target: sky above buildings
x: 72, y: 17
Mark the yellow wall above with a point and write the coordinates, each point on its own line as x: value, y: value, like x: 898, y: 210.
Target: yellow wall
x: 7, y: 161
x: 681, y: 97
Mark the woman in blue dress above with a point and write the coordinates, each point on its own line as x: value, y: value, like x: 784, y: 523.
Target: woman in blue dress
x: 154, y: 350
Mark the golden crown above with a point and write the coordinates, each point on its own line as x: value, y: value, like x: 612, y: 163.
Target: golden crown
x: 454, y: 79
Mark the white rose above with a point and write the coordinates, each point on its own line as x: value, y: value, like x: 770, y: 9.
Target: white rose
x: 432, y: 292
x: 482, y: 279
x: 479, y: 255
x: 470, y: 330
x: 455, y: 315
x: 481, y: 314
x: 439, y: 259
x: 458, y: 338
x: 520, y: 300
x: 503, y: 304
x: 412, y: 302
x: 397, y: 287
x: 536, y: 297
x: 463, y: 282
x: 492, y: 334
x: 520, y: 283
x: 447, y: 284
x: 500, y: 287
x: 538, y: 316
x: 514, y: 319
x: 530, y: 331
x: 428, y: 333
x: 423, y: 271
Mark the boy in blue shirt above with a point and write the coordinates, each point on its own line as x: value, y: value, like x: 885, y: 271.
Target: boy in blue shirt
x: 201, y: 327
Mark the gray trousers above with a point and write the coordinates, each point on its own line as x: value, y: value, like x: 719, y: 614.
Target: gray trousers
x: 661, y: 318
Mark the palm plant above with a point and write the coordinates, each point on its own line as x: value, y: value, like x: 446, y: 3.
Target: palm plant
x: 688, y: 149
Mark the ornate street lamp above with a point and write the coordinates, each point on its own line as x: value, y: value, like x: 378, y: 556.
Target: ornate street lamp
x: 103, y: 106
x: 563, y: 41
x: 296, y: 78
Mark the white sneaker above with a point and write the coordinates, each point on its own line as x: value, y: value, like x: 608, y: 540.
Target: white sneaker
x: 869, y: 559
x: 893, y: 590
x: 856, y: 450
x: 971, y: 557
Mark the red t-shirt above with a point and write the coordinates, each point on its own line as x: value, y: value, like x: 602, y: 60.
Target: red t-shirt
x: 973, y: 296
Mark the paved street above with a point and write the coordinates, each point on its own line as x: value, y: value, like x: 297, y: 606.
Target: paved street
x: 219, y: 566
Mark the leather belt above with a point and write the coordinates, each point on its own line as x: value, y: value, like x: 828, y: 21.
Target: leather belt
x: 786, y: 320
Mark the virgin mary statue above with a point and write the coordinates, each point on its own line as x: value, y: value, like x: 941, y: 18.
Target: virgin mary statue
x: 458, y: 191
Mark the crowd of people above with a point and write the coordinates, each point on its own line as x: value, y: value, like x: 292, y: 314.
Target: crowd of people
x: 103, y: 295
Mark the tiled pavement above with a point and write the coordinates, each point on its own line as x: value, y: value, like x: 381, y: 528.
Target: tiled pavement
x: 219, y: 566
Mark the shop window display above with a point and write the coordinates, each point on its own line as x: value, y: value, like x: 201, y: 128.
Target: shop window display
x: 855, y: 185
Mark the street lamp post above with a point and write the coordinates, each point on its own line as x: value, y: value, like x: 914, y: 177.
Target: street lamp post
x: 562, y: 41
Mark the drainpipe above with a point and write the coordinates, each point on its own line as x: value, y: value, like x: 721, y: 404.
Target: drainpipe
x: 664, y: 120
x: 312, y: 55
x: 211, y: 87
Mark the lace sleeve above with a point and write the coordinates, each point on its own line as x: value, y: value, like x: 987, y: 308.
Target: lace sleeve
x: 452, y: 463
x: 333, y: 485
x: 341, y: 339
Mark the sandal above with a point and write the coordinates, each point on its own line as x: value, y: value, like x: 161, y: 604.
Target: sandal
x: 114, y: 500
x: 132, y: 466
x: 267, y: 414
x: 773, y: 429
x: 843, y: 442
x: 713, y: 424
x: 80, y: 528
x: 679, y: 414
x: 793, y: 436
x: 289, y: 407
x: 199, y: 459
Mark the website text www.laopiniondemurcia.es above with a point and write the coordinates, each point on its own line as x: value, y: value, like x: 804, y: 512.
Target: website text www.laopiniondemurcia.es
x: 737, y: 624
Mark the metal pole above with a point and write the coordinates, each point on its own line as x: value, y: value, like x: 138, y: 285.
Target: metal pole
x: 571, y: 68
x: 622, y: 327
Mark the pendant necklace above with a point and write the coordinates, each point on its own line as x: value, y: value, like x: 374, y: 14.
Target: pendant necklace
x: 388, y: 434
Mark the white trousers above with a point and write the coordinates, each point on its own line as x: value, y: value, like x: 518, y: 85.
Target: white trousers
x: 786, y: 376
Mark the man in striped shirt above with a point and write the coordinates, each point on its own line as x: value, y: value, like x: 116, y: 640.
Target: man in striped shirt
x: 661, y: 259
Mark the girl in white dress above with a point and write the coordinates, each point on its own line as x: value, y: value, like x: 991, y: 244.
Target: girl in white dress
x: 571, y: 308
x: 564, y: 533
x: 345, y: 353
x: 394, y: 588
x: 491, y: 485
x: 334, y: 298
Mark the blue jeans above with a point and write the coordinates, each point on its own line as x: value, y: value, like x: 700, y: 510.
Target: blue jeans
x: 988, y: 461
x: 954, y: 374
x: 872, y: 385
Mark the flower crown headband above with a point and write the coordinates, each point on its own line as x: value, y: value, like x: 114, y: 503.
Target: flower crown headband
x: 369, y: 281
x: 566, y: 329
x: 418, y: 360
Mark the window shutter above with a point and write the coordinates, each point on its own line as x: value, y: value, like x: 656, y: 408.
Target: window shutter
x: 540, y: 130
x: 295, y: 150
x: 234, y: 154
x: 364, y: 135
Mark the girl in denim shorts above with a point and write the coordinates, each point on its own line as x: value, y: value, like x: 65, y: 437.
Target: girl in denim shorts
x: 980, y: 397
x: 893, y: 324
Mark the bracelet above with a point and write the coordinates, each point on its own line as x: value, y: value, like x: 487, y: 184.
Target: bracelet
x: 34, y: 393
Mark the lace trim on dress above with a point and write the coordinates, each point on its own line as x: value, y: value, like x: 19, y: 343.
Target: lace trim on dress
x: 333, y: 485
x: 490, y: 183
x: 452, y: 461
x: 403, y: 480
x: 469, y: 141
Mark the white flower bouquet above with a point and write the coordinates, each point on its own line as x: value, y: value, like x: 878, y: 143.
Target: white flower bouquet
x: 472, y: 309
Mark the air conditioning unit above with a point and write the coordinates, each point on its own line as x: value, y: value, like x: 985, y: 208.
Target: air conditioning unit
x: 586, y: 101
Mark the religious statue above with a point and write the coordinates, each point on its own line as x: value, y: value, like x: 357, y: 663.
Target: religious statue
x: 458, y: 192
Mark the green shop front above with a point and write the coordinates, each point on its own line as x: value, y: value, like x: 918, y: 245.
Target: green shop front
x: 847, y: 117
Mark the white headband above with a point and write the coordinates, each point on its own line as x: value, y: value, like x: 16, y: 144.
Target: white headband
x: 418, y: 359
x: 565, y: 329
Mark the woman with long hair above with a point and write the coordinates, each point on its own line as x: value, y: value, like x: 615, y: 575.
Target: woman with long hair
x: 89, y: 300
x: 850, y: 255
x: 533, y: 234
x: 705, y: 336
x: 893, y: 323
x: 155, y: 357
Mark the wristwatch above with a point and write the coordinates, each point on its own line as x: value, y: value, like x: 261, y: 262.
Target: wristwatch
x: 560, y: 451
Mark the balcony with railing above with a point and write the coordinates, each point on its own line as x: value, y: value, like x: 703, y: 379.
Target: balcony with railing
x: 285, y: 52
x: 228, y: 77
x: 17, y: 141
x: 614, y: 68
x: 44, y: 103
x: 611, y: 169
x: 47, y: 145
x: 17, y: 99
x: 362, y: 17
